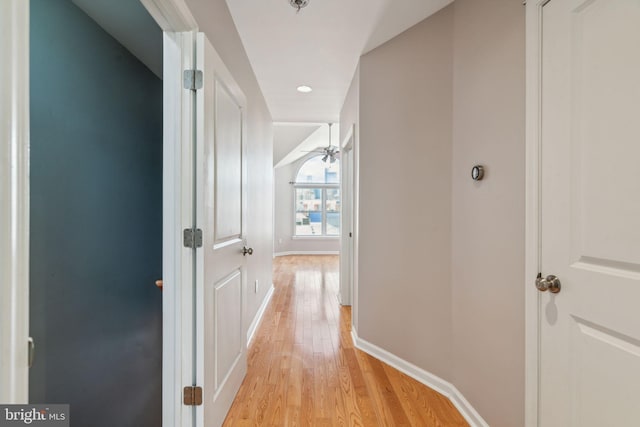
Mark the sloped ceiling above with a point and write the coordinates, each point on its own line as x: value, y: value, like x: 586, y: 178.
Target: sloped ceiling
x: 318, y: 139
x: 287, y: 136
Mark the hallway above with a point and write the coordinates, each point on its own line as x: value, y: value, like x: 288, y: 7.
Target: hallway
x: 304, y: 370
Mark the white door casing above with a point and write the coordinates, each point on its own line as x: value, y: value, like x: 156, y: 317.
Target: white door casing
x: 585, y: 76
x: 178, y: 215
x: 221, y: 214
x: 14, y: 201
x: 178, y: 370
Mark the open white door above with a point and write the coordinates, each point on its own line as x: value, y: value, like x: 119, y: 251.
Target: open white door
x: 346, y: 227
x: 590, y: 214
x: 221, y: 264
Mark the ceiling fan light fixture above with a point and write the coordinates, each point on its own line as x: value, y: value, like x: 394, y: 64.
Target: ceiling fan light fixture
x: 299, y: 4
x: 331, y: 152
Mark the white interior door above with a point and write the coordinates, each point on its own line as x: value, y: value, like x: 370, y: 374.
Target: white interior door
x: 221, y: 272
x: 346, y: 249
x: 590, y: 214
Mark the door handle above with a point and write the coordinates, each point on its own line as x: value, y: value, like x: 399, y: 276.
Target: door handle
x: 246, y: 250
x: 31, y: 353
x: 551, y: 283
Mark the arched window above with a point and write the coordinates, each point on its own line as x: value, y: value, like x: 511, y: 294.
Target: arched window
x: 317, y: 198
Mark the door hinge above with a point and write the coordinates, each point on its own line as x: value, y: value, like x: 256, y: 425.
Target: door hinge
x: 192, y: 238
x: 350, y: 234
x: 192, y: 79
x: 192, y: 396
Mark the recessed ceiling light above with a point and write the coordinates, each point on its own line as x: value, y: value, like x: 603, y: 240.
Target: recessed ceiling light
x: 304, y: 89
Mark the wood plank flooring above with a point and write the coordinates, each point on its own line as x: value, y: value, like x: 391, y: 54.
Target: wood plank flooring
x: 304, y: 370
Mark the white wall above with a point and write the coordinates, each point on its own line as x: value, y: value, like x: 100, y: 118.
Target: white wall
x: 284, y: 242
x: 488, y: 217
x: 215, y: 21
x: 350, y: 113
x: 404, y: 273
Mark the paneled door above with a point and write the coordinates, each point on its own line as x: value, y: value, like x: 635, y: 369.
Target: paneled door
x: 221, y: 265
x: 590, y: 214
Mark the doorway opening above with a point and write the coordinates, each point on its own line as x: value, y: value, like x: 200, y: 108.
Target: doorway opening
x: 309, y: 216
x: 96, y: 211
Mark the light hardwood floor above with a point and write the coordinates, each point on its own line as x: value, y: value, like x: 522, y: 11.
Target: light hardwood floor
x: 304, y: 371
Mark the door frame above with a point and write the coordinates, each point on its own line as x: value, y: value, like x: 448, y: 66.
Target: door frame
x: 353, y: 137
x: 178, y: 320
x: 533, y: 146
x: 14, y: 202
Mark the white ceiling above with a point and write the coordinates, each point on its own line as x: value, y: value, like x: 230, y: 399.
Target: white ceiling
x: 319, y: 47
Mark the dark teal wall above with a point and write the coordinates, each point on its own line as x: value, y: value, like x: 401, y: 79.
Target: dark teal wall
x: 96, y: 222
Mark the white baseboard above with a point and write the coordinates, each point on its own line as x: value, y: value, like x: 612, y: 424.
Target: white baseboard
x: 258, y: 317
x: 432, y: 381
x: 306, y: 253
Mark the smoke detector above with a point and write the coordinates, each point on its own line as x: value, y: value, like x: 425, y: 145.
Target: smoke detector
x: 299, y: 4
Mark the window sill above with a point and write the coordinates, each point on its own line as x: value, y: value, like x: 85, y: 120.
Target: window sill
x: 315, y: 238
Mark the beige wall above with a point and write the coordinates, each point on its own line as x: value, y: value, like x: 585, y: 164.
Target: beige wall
x: 488, y: 217
x: 404, y: 268
x: 442, y: 254
x: 215, y: 21
x: 283, y: 217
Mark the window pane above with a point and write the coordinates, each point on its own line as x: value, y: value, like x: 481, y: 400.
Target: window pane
x: 333, y: 212
x: 315, y: 171
x: 308, y: 211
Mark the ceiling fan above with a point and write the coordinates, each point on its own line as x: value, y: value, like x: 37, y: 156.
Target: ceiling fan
x: 299, y: 4
x: 330, y: 152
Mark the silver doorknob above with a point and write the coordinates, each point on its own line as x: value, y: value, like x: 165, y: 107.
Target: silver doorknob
x: 246, y: 250
x: 551, y: 283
